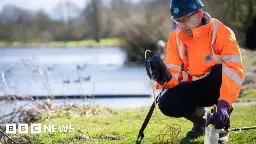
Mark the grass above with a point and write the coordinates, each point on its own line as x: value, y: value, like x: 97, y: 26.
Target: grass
x: 249, y: 86
x: 249, y: 59
x: 112, y: 42
x: 3, y: 43
x: 248, y: 95
x: 107, y: 126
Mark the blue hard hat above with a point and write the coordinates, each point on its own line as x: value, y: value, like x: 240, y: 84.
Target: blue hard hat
x: 180, y: 8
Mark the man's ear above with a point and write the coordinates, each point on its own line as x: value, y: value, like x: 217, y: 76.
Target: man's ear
x: 200, y: 14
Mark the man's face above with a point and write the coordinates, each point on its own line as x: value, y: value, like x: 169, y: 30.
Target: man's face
x: 188, y: 22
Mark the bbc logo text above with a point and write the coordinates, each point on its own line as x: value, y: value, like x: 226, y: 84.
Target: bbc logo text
x: 37, y: 128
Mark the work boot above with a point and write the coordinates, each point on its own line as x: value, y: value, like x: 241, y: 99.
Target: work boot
x: 199, y: 122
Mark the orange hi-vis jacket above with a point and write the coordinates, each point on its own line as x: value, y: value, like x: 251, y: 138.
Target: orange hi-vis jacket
x: 191, y: 58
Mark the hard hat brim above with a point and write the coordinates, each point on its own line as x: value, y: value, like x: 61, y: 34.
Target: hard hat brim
x: 178, y: 12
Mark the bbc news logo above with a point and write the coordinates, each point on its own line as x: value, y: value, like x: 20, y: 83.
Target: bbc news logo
x: 37, y: 128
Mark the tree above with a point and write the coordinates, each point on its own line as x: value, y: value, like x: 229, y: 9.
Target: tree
x: 93, y: 15
x: 237, y: 14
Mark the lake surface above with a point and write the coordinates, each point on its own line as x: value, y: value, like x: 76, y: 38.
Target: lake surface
x: 73, y: 71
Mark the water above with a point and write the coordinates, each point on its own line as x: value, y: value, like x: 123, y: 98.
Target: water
x: 73, y: 71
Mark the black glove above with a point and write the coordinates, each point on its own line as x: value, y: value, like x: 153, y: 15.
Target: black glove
x: 156, y: 75
x: 157, y: 70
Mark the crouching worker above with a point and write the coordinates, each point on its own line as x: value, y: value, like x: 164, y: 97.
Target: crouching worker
x: 204, y: 59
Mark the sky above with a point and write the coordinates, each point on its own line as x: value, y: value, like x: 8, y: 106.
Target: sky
x: 46, y: 5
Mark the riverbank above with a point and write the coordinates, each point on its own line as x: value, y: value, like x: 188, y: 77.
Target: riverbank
x: 112, y: 42
x: 104, y: 125
x: 113, y: 126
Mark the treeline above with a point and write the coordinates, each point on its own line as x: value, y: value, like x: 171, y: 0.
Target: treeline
x: 240, y: 15
x: 140, y: 24
x: 97, y: 20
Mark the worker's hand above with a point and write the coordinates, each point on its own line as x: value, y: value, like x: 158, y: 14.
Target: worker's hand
x: 151, y: 70
x: 157, y: 70
x: 156, y: 75
x: 161, y: 78
x: 221, y: 117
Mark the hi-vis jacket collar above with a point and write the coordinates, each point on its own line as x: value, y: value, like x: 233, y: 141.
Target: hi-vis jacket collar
x: 199, y: 31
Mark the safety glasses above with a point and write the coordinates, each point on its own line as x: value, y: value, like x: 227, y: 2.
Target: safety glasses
x: 185, y: 19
